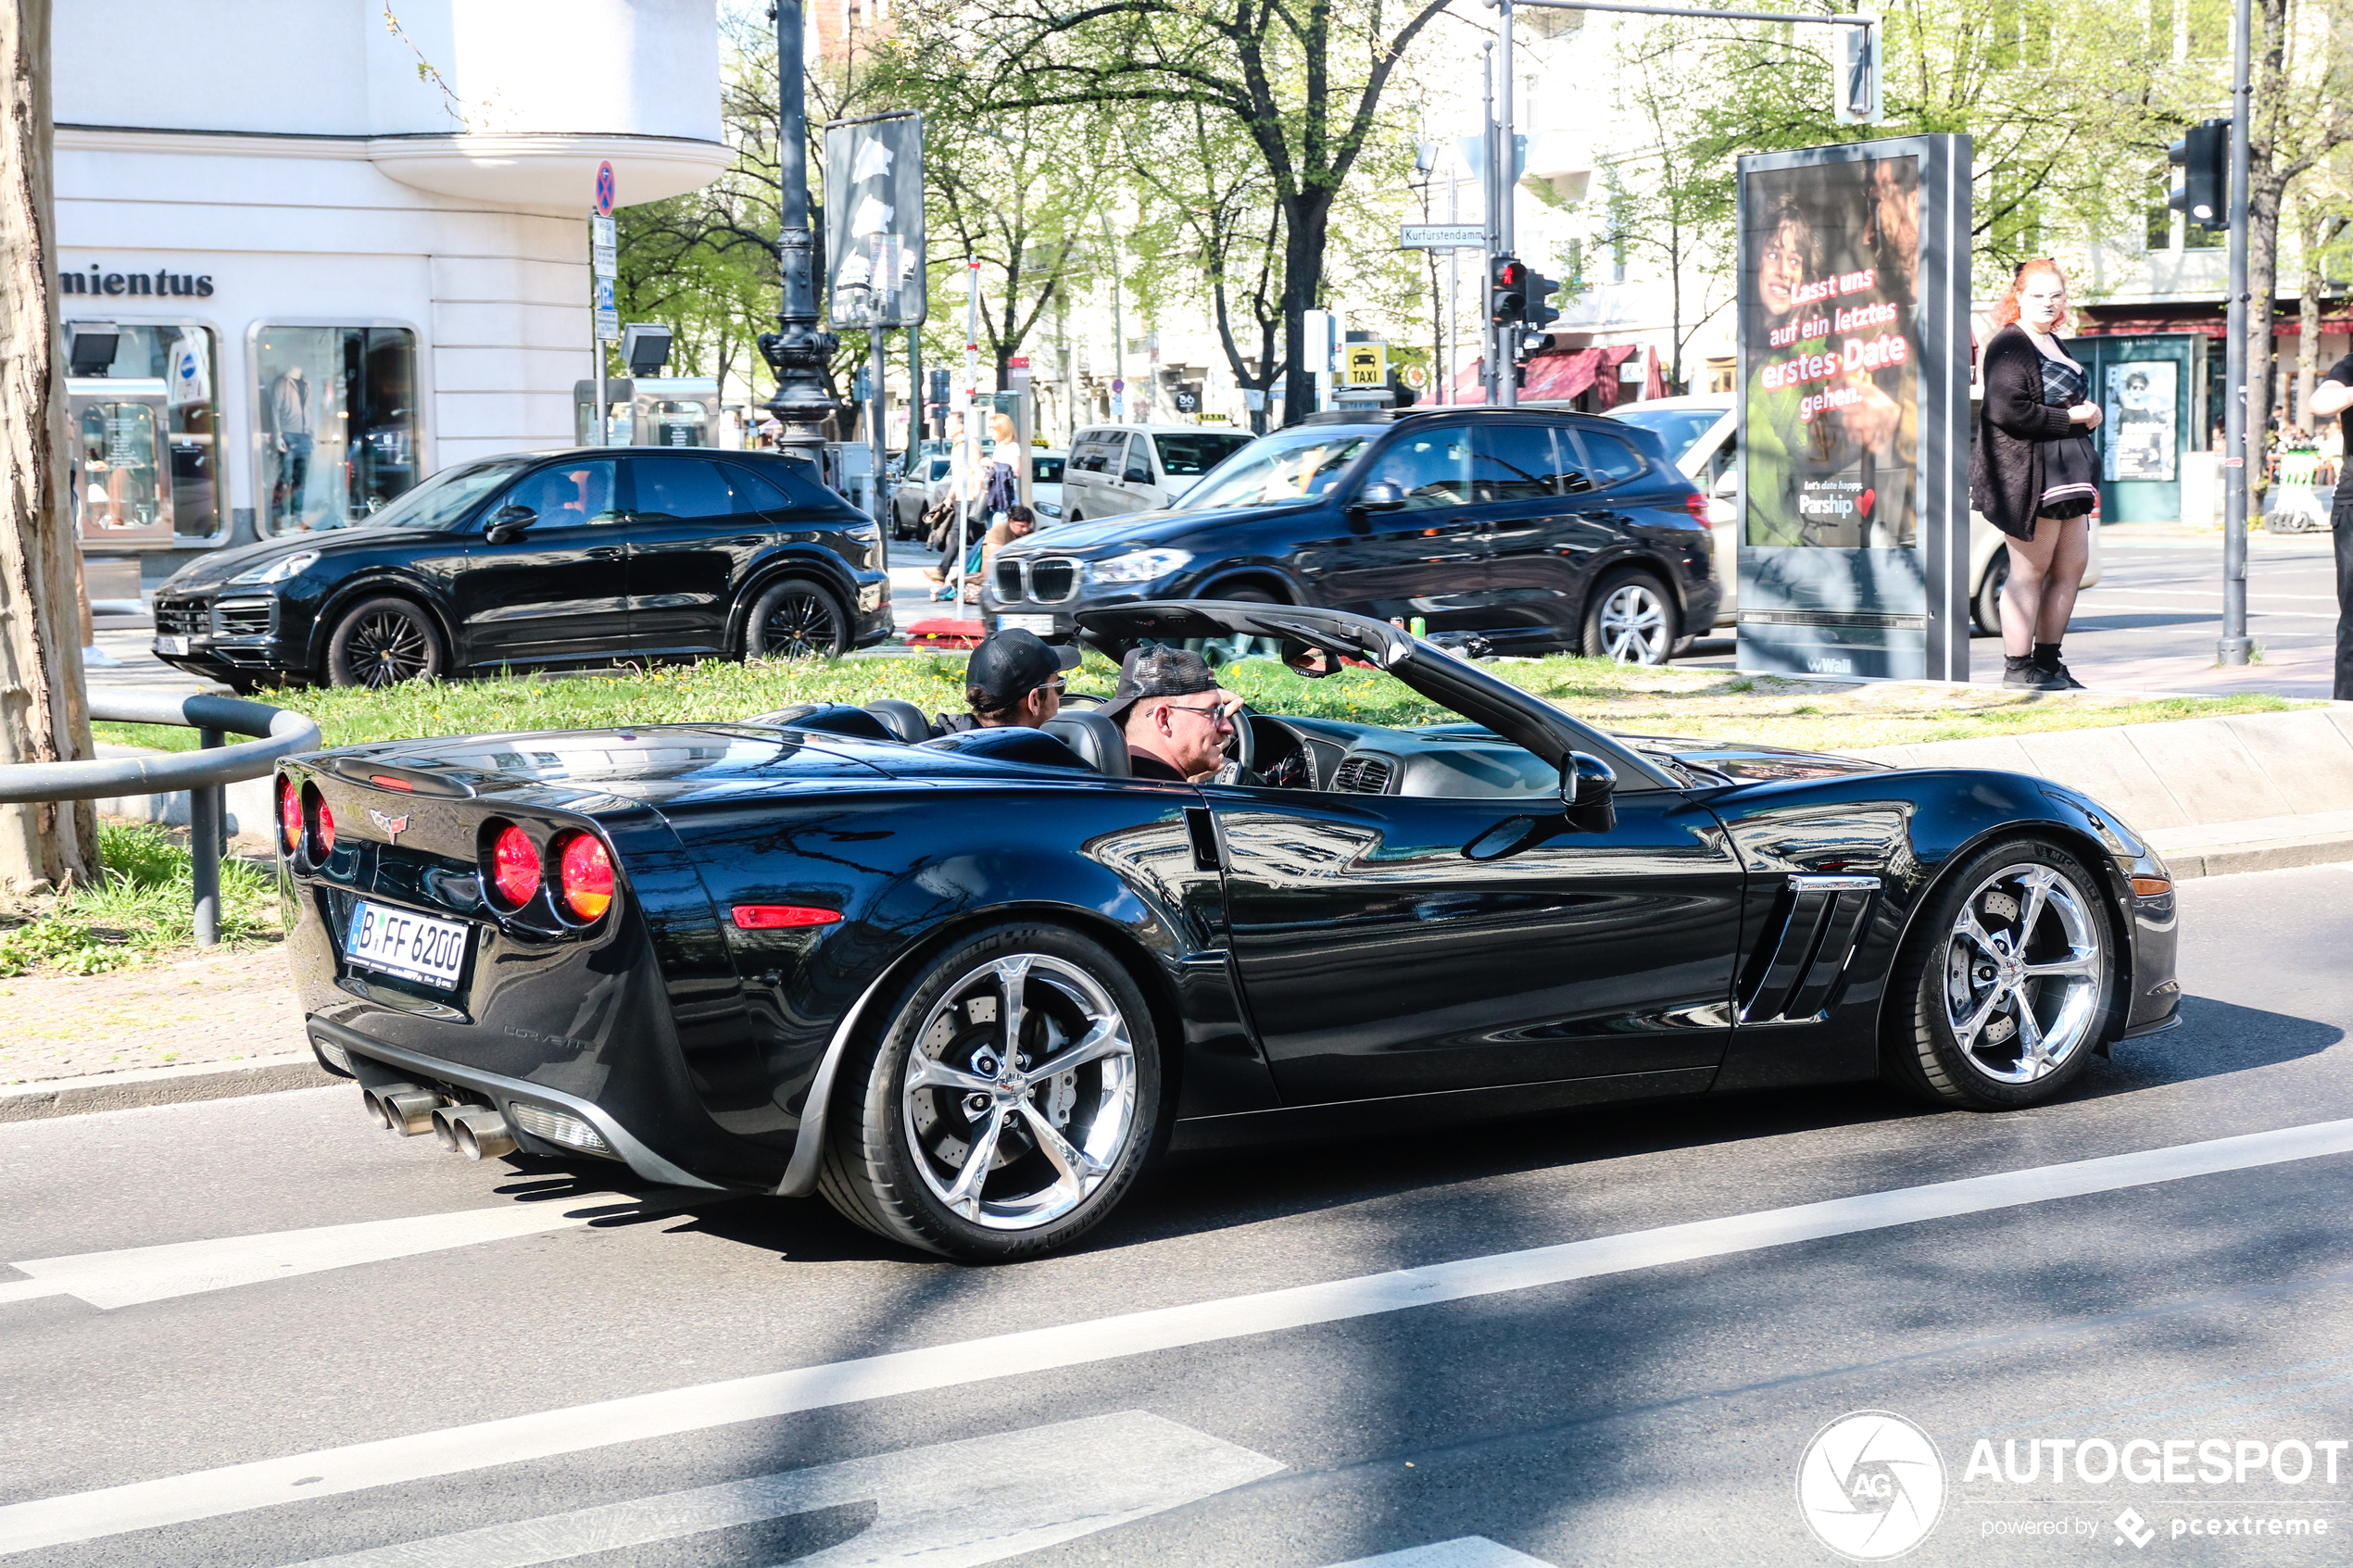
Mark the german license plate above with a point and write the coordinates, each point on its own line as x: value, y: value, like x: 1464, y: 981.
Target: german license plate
x: 1041, y: 625
x: 397, y: 942
x: 171, y: 645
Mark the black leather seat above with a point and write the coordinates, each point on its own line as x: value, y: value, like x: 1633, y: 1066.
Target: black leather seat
x: 902, y: 719
x: 1010, y: 744
x: 1096, y: 739
x: 833, y: 718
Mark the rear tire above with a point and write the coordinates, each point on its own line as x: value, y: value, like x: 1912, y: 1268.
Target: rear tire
x: 2004, y: 985
x: 383, y: 642
x: 795, y: 619
x: 930, y: 1089
x: 1630, y: 617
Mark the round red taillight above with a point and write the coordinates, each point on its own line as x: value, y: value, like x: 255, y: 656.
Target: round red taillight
x: 326, y: 830
x: 515, y: 866
x: 585, y: 872
x: 289, y: 815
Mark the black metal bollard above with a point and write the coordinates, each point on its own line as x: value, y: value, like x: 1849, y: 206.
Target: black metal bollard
x: 208, y: 805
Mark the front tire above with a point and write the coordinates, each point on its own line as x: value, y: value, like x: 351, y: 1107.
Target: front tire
x: 2007, y: 981
x: 795, y: 619
x: 1007, y: 1106
x: 1631, y: 619
x: 383, y: 642
x: 1986, y: 608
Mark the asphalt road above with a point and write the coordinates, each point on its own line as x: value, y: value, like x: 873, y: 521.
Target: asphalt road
x: 205, y: 1308
x: 2152, y: 621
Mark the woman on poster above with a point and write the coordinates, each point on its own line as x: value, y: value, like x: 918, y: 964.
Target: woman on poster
x: 2034, y: 473
x: 1784, y: 447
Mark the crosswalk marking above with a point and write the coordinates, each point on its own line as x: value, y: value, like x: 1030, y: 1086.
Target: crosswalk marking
x: 982, y: 1500
x: 208, y: 1494
x: 1467, y: 1551
x: 125, y: 1278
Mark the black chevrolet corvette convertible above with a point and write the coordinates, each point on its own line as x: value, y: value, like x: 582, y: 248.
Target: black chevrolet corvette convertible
x: 968, y: 987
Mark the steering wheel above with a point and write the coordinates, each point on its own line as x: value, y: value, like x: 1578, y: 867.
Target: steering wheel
x: 1242, y: 750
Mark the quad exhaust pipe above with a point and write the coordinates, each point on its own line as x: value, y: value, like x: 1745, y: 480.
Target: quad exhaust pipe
x: 478, y: 1132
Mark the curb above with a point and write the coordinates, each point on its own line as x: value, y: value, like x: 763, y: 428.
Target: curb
x: 45, y: 1099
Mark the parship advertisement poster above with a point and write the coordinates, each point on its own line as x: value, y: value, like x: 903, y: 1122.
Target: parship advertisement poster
x: 1831, y: 336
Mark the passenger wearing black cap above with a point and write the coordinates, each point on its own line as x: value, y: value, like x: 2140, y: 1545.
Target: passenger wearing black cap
x: 1176, y: 715
x: 1013, y: 679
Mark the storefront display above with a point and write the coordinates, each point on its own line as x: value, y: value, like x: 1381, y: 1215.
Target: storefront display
x: 337, y: 423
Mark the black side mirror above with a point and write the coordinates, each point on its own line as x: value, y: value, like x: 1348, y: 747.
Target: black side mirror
x: 1588, y: 792
x: 1380, y: 496
x: 509, y: 523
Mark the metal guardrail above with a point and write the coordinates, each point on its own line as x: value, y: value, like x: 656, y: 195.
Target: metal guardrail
x: 202, y: 773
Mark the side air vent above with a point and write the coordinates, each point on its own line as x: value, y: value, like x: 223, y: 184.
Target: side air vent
x: 1363, y: 775
x: 1796, y: 969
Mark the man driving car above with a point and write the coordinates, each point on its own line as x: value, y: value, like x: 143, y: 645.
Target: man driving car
x: 1176, y: 715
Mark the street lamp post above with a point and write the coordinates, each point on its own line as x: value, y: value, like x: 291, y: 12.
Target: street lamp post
x: 800, y: 350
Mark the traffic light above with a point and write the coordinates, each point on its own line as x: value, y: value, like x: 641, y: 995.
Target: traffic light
x: 1539, y: 289
x: 2204, y: 154
x: 1507, y: 291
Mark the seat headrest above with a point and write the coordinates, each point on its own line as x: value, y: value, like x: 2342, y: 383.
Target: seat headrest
x: 902, y: 719
x: 833, y: 718
x: 1009, y: 744
x: 1096, y: 739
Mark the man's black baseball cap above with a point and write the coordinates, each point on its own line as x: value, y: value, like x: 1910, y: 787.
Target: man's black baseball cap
x: 1157, y: 671
x: 1007, y: 666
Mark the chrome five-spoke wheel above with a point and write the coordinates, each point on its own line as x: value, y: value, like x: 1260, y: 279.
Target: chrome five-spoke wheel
x: 2009, y: 973
x: 2022, y: 974
x: 1007, y: 1104
x: 1020, y: 1095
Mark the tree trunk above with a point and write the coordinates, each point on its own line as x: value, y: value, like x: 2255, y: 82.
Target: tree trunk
x: 1302, y: 280
x: 2308, y: 316
x: 44, y: 716
x: 2262, y: 283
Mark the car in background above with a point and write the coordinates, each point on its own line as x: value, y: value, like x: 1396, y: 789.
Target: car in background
x: 1700, y: 434
x: 1046, y: 469
x: 538, y: 559
x: 1529, y: 529
x: 915, y: 499
x: 1117, y: 470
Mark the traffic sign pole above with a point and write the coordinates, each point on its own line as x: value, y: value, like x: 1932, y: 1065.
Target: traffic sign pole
x: 603, y: 314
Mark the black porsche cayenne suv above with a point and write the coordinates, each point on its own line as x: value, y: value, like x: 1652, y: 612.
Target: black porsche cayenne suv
x: 1536, y: 530
x: 543, y: 558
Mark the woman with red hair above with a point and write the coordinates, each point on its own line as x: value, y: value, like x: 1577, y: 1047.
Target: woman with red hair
x: 2034, y: 474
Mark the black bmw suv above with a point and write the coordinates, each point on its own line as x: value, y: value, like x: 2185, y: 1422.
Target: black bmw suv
x: 1536, y: 530
x: 543, y: 558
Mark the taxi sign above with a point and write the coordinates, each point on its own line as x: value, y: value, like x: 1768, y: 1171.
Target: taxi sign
x: 1366, y: 364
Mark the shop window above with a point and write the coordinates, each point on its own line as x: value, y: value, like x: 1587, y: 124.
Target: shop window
x: 185, y: 358
x: 338, y: 425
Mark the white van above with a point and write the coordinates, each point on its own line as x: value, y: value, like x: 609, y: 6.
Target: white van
x: 1118, y: 469
x: 1699, y: 431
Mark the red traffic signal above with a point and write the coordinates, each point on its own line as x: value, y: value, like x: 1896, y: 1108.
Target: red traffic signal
x: 1507, y: 291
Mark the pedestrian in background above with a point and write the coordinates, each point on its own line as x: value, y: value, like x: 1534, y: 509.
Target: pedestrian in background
x: 2035, y: 474
x: 1001, y: 487
x: 2334, y: 399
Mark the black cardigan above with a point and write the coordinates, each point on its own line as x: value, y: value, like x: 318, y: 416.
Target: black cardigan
x: 2005, y: 467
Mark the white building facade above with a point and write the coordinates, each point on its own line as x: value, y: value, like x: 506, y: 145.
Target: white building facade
x: 345, y: 256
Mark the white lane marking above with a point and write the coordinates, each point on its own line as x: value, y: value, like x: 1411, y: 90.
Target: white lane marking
x: 2110, y: 606
x: 107, y: 1280
x: 980, y: 1501
x: 207, y: 1494
x: 1466, y: 1551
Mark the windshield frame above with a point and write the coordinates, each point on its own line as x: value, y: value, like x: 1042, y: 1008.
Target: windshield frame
x: 503, y: 469
x: 1195, y: 498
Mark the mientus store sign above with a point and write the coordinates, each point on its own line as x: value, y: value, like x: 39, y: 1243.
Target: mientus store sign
x: 162, y: 281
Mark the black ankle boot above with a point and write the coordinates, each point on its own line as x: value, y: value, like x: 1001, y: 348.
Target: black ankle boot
x: 2046, y: 658
x: 2022, y: 671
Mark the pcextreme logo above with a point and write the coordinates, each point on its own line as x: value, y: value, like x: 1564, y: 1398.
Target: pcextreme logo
x: 1871, y: 1485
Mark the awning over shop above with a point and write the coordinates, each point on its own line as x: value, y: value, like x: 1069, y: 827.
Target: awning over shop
x: 1561, y: 376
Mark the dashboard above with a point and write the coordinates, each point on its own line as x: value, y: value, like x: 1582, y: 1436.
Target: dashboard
x: 1455, y: 761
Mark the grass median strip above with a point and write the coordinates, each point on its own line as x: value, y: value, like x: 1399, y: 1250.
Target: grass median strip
x: 1711, y: 705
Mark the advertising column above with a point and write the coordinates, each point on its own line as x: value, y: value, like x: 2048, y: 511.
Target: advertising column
x: 1854, y: 409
